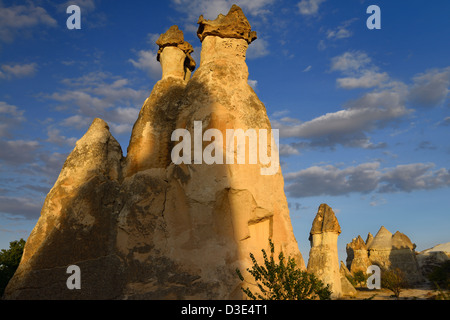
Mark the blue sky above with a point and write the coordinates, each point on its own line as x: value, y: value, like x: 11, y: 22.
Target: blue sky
x: 364, y: 115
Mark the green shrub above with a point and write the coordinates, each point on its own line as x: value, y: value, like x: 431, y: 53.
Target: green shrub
x: 9, y: 261
x: 440, y: 275
x: 394, y: 280
x: 360, y: 278
x: 283, y: 280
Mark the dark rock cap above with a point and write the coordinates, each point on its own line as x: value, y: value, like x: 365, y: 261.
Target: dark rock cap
x: 233, y: 25
x: 325, y: 221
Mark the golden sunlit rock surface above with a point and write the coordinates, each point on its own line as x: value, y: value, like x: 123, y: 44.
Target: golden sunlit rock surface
x: 142, y: 227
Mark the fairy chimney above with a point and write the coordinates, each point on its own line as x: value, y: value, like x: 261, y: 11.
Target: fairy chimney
x: 323, y: 256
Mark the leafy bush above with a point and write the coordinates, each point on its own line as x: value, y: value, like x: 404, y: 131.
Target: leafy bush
x: 9, y: 261
x: 394, y: 280
x: 283, y: 280
x: 440, y: 275
x: 360, y: 278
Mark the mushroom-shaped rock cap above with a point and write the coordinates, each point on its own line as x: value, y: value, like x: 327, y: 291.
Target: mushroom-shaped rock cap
x: 325, y: 221
x: 174, y: 37
x: 233, y: 25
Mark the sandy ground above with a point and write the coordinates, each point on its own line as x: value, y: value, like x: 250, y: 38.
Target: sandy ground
x: 425, y: 292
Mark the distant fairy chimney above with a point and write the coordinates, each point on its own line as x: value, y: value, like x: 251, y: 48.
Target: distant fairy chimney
x: 385, y: 250
x: 175, y: 54
x: 323, y: 257
x: 357, y: 257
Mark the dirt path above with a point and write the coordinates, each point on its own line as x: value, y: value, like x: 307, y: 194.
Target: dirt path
x: 419, y: 293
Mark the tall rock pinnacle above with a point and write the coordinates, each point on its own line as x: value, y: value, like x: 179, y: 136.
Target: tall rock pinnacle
x: 357, y: 258
x: 323, y: 256
x: 175, y: 54
x: 150, y: 138
x: 76, y: 225
x: 148, y: 226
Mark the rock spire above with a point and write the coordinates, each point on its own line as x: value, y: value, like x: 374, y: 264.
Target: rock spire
x: 323, y: 256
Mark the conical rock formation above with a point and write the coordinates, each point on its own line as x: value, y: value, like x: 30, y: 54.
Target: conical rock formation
x: 347, y: 288
x: 395, y: 251
x: 76, y: 226
x: 387, y: 251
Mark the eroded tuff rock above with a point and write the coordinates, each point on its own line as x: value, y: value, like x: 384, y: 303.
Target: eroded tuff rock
x: 347, y: 288
x: 143, y: 227
x: 357, y: 255
x: 150, y: 141
x: 233, y: 25
x: 323, y: 256
x: 77, y: 226
x: 388, y: 251
x: 433, y: 257
x: 174, y: 38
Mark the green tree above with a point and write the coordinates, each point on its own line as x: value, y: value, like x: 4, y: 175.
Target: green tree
x: 9, y: 261
x: 394, y: 280
x: 283, y: 280
x: 440, y: 275
x: 360, y: 278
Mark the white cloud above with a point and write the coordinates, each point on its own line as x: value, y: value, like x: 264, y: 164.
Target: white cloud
x: 20, y: 206
x: 192, y: 9
x: 211, y: 9
x: 309, y: 7
x: 430, y: 88
x: 147, y: 62
x: 99, y: 95
x: 331, y: 180
x: 417, y: 176
x: 253, y: 83
x: 368, y: 79
x: 257, y: 49
x: 350, y: 61
x: 10, y: 116
x: 121, y: 128
x: 387, y: 102
x: 18, y: 70
x: 55, y: 137
x: 340, y: 33
x: 307, y: 69
x: 348, y: 126
x: 16, y: 18
x: 360, y: 71
x: 365, y: 178
x: 18, y: 151
x: 7, y: 109
x: 287, y: 150
x: 76, y: 121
